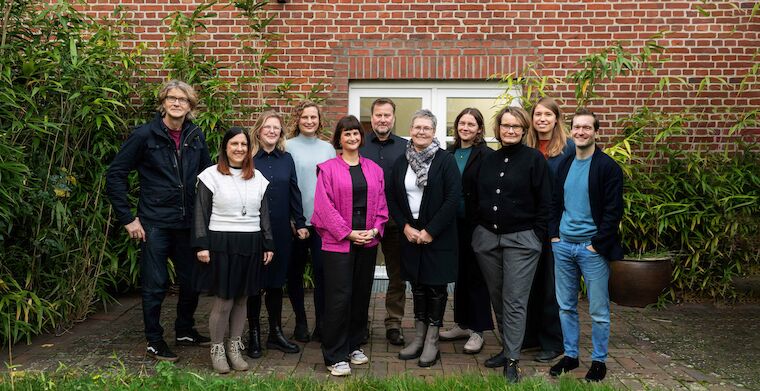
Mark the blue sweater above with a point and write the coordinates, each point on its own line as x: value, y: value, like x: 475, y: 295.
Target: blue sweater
x: 605, y: 191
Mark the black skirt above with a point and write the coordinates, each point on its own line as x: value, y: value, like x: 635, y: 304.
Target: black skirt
x: 235, y: 268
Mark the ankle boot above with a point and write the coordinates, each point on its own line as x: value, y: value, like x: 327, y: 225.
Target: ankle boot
x: 414, y: 349
x: 277, y: 340
x: 219, y: 359
x: 254, y: 341
x: 234, y: 348
x: 430, y: 353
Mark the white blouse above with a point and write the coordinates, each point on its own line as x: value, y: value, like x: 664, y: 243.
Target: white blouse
x: 413, y: 192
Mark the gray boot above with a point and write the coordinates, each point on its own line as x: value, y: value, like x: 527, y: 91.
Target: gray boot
x: 219, y: 359
x: 234, y: 348
x: 414, y: 349
x: 430, y: 353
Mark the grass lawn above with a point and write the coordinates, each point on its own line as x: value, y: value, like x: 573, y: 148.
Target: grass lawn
x: 168, y: 377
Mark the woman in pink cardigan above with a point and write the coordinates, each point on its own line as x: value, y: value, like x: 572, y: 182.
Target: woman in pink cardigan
x: 349, y: 214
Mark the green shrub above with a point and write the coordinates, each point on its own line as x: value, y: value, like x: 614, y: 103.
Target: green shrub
x: 62, y: 92
x: 69, y: 95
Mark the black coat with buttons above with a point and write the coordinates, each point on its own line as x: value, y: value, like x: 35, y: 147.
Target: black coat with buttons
x: 514, y: 191
x: 434, y: 263
x: 284, y: 201
x: 470, y: 180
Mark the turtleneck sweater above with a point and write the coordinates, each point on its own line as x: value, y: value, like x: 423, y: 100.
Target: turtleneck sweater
x: 514, y: 191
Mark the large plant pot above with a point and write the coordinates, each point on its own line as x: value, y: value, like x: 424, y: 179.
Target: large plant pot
x: 639, y: 282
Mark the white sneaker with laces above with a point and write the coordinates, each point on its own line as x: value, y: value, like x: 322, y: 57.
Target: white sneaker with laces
x: 474, y: 344
x: 339, y: 369
x: 358, y: 357
x: 455, y: 333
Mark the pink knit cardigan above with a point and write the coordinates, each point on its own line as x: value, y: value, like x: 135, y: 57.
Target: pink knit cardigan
x: 333, y: 203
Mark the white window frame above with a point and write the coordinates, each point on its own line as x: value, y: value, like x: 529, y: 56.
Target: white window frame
x: 433, y: 94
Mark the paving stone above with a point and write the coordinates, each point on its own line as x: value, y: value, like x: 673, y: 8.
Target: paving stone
x: 114, y: 338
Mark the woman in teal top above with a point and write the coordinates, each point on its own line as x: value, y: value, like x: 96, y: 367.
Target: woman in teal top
x: 472, y: 306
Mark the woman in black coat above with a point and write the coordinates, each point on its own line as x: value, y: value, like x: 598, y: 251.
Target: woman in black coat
x: 472, y: 305
x: 423, y: 194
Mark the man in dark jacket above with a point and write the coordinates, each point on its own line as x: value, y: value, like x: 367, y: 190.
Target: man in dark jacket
x: 168, y: 153
x: 384, y: 148
x: 587, y: 209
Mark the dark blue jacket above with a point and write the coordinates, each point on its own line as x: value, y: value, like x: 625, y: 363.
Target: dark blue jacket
x: 284, y: 201
x: 167, y: 177
x: 605, y: 187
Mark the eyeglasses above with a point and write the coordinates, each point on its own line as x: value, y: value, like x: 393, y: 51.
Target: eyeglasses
x: 177, y: 99
x: 270, y: 127
x: 585, y: 128
x: 510, y: 127
x: 422, y: 129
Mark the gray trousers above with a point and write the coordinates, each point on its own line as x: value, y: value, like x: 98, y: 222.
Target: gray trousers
x: 508, y: 263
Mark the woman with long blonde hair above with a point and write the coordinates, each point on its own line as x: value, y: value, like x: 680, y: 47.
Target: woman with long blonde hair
x: 268, y: 149
x: 547, y: 134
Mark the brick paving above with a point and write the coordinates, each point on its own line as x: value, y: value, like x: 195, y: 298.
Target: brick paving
x: 109, y: 339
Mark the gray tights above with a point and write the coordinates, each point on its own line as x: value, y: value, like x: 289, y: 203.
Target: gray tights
x: 227, y: 314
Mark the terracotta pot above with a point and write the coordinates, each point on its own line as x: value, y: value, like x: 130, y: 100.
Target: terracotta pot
x: 638, y: 283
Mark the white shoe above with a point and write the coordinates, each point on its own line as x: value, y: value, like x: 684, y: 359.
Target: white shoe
x: 339, y: 369
x: 454, y: 333
x: 358, y: 357
x: 474, y: 344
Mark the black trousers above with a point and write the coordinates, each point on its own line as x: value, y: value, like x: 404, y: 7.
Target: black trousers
x: 160, y: 244
x: 301, y: 251
x: 472, y: 304
x: 542, y: 327
x: 348, y: 287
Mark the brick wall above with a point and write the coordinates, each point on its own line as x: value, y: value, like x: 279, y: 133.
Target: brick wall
x: 336, y: 41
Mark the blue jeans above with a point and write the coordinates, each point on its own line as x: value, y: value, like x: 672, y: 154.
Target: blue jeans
x: 571, y: 260
x: 161, y: 244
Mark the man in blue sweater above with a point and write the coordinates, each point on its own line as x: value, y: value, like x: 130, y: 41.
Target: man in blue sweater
x: 587, y: 209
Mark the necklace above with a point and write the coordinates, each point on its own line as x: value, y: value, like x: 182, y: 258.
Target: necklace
x: 243, y: 201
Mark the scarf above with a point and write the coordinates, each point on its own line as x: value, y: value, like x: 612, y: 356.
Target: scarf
x: 420, y: 161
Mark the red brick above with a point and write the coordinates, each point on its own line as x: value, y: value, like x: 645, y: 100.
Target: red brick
x: 335, y: 42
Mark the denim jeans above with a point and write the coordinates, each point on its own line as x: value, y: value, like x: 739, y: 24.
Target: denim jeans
x: 161, y: 244
x: 571, y: 260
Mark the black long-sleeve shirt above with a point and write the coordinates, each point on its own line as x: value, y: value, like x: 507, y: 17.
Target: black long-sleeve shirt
x: 514, y: 191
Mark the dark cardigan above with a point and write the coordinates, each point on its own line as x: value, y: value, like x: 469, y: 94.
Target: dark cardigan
x: 605, y: 186
x: 514, y: 191
x: 434, y: 263
x: 470, y: 179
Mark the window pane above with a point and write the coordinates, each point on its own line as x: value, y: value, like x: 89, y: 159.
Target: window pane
x: 487, y: 106
x: 405, y: 108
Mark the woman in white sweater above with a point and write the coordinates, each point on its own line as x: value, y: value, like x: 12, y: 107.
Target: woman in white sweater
x: 233, y: 240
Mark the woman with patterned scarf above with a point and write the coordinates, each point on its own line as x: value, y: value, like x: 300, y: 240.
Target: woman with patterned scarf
x: 423, y: 196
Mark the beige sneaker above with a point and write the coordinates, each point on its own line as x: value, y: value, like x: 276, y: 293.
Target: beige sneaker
x: 339, y: 369
x: 454, y: 333
x: 234, y: 348
x: 219, y: 359
x: 474, y: 344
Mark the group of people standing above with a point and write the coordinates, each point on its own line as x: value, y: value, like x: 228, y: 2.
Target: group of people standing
x: 514, y: 228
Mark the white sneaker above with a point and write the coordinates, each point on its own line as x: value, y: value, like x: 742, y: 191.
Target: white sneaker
x: 454, y: 333
x: 339, y: 369
x: 474, y: 344
x: 358, y: 357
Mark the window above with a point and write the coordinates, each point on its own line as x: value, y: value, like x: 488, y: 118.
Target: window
x: 445, y: 99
